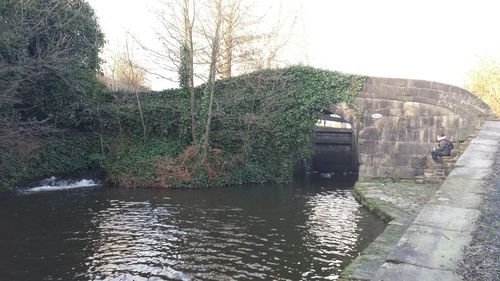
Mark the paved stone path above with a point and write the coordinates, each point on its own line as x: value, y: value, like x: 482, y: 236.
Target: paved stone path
x: 399, y: 203
x: 482, y: 256
x: 428, y: 230
x: 433, y: 245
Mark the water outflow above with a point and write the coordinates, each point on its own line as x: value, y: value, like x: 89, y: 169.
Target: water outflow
x: 53, y: 184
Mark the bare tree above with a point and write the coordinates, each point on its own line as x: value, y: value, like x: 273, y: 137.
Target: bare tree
x: 244, y: 45
x: 120, y: 73
x: 264, y: 49
x: 233, y: 22
x: 134, y: 77
x: 215, y: 41
x: 250, y: 42
x: 176, y: 53
x: 189, y: 62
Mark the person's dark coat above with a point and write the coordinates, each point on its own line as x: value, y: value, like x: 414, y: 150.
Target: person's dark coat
x: 444, y: 147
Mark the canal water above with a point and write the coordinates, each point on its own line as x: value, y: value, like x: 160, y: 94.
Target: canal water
x: 309, y: 230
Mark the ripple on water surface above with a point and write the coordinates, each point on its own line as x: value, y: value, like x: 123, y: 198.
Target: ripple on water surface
x: 252, y: 233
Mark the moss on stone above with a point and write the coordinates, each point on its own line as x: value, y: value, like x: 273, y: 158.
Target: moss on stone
x: 371, y: 204
x: 373, y: 196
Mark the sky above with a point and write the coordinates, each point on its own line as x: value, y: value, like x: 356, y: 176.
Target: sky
x: 437, y: 40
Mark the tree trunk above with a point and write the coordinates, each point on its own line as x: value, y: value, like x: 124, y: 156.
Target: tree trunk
x: 213, y: 69
x: 189, y: 28
x: 144, y: 132
x: 228, y: 49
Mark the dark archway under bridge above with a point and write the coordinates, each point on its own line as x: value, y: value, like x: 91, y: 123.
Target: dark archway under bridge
x: 334, y: 145
x: 394, y: 126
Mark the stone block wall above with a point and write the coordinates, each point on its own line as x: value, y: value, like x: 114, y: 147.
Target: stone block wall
x: 413, y: 112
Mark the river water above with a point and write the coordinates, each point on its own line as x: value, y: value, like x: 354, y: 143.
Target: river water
x: 309, y: 230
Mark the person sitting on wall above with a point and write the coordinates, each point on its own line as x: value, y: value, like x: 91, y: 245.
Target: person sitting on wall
x: 444, y: 148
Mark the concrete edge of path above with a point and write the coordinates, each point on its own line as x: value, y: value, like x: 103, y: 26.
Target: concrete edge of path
x: 431, y: 248
x: 393, y: 210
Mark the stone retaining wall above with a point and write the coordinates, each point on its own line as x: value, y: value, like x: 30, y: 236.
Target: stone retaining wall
x: 412, y: 112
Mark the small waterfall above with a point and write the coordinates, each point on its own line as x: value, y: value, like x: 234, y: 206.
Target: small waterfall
x: 53, y: 183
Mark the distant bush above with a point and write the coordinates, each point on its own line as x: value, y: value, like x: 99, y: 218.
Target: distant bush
x: 484, y: 82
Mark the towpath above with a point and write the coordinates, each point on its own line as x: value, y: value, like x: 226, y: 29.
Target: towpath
x: 431, y: 246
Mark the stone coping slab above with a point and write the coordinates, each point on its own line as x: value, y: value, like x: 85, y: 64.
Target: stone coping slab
x: 478, y: 156
x: 459, y: 185
x: 492, y: 125
x: 369, y: 261
x: 431, y: 247
x: 492, y: 135
x: 484, y: 162
x: 482, y: 147
x: 469, y: 172
x: 484, y: 141
x: 449, y: 218
x: 398, y: 202
x: 408, y: 272
x: 450, y: 197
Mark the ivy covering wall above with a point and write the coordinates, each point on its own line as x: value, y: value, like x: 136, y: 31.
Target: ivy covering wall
x: 263, y: 124
x: 59, y: 154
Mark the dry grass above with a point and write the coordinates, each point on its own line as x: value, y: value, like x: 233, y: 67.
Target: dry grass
x: 184, y: 167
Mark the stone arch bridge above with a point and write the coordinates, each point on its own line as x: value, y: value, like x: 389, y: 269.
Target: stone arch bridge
x: 395, y: 122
